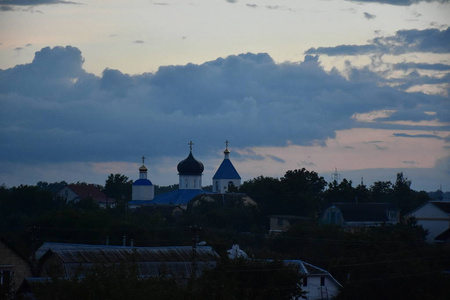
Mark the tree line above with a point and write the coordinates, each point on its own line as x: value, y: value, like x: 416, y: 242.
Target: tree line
x: 394, y: 256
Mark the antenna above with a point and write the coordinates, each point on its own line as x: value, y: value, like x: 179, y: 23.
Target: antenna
x: 336, y: 176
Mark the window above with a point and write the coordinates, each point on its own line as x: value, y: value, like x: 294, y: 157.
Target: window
x: 5, y: 278
x: 217, y: 186
x: 305, y: 281
x: 322, y: 281
x: 392, y: 215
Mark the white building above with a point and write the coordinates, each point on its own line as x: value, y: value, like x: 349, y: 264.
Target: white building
x: 433, y: 216
x: 143, y: 189
x: 226, y: 179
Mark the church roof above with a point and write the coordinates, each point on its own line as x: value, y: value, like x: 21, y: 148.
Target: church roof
x: 190, y: 166
x: 226, y: 171
x: 142, y: 182
x: 178, y: 197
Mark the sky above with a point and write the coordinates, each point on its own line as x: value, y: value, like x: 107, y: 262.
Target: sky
x: 354, y: 87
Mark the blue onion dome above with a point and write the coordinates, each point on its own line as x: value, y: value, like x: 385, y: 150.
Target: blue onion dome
x: 190, y: 166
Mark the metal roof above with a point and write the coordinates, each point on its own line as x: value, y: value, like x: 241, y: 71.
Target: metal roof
x: 226, y: 170
x: 138, y: 254
x: 151, y: 261
x: 365, y: 212
x: 178, y: 197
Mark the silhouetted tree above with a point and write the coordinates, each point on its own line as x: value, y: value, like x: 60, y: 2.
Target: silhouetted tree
x: 118, y: 186
x: 302, y: 192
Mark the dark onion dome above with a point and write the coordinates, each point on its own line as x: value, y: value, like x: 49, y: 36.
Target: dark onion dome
x: 190, y: 166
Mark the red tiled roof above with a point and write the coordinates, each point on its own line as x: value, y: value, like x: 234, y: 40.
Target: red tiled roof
x: 87, y: 191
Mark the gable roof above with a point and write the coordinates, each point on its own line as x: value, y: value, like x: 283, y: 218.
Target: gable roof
x: 87, y: 191
x: 106, y: 254
x: 311, y: 270
x: 368, y: 212
x: 443, y: 237
x: 14, y: 250
x: 175, y: 261
x: 444, y: 206
x: 226, y: 170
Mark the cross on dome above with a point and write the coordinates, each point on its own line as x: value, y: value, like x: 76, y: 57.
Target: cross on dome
x: 143, y: 159
x: 190, y: 145
x: 226, y: 144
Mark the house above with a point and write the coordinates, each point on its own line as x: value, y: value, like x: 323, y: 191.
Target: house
x: 13, y: 268
x: 443, y: 238
x: 77, y: 192
x: 358, y: 215
x: 433, y: 216
x: 282, y: 223
x: 69, y: 260
x: 317, y: 283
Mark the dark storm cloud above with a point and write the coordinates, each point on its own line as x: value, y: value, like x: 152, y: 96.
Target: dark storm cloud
x: 53, y: 110
x: 399, y: 2
x: 404, y: 41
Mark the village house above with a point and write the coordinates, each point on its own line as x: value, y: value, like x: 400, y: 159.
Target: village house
x: 13, y: 268
x: 77, y: 192
x: 433, y: 216
x: 359, y: 215
x: 282, y: 223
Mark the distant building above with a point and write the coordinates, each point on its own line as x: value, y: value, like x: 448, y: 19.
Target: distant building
x: 318, y: 283
x: 13, y: 267
x: 77, y: 192
x: 142, y: 189
x: 434, y: 216
x: 357, y: 215
x: 226, y: 179
x: 282, y: 223
x: 62, y: 260
x: 190, y: 172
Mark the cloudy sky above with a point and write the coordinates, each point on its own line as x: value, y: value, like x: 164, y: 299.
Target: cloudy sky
x: 361, y: 86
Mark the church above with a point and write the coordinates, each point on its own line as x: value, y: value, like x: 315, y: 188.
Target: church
x: 190, y: 172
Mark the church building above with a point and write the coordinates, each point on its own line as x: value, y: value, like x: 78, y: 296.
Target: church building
x: 143, y: 188
x: 226, y: 179
x: 190, y: 172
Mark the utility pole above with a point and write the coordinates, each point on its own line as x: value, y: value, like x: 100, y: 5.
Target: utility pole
x: 195, y: 229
